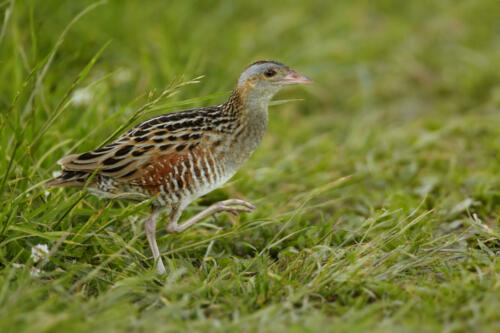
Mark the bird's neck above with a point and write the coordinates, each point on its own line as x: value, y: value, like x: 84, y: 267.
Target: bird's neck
x: 251, y: 117
x: 253, y: 96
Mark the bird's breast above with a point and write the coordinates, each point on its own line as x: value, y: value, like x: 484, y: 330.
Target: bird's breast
x: 199, y: 171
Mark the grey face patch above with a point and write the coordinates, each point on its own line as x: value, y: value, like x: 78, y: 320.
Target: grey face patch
x: 260, y: 67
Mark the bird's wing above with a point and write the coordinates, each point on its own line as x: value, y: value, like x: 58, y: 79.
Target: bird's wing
x: 151, y: 149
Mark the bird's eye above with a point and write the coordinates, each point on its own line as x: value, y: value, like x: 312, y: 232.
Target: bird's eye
x: 270, y: 73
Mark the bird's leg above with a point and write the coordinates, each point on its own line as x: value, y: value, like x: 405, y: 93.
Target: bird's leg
x: 232, y: 206
x: 151, y: 235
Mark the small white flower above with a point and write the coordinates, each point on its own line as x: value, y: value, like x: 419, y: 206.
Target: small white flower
x: 81, y: 96
x: 56, y: 174
x: 39, y: 252
x: 34, y: 272
x: 46, y: 193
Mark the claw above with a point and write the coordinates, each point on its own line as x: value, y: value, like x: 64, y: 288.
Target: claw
x: 233, y: 212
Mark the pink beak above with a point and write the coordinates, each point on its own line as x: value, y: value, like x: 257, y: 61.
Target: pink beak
x: 296, y: 78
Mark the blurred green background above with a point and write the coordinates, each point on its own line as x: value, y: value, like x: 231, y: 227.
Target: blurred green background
x: 378, y: 192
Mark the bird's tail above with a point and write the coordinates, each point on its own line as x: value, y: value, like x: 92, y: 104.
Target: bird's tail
x: 69, y: 178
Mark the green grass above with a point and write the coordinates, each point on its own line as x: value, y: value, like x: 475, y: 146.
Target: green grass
x: 378, y: 193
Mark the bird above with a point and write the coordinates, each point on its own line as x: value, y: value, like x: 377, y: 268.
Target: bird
x: 175, y: 158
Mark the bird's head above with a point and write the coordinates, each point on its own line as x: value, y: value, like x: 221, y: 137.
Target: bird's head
x: 262, y: 79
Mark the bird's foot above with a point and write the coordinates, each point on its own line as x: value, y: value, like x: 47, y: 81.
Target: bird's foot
x: 233, y: 206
